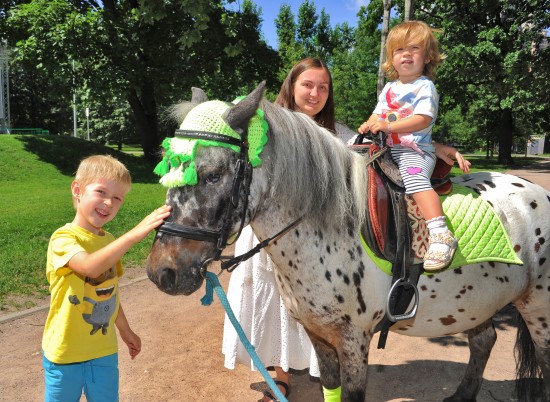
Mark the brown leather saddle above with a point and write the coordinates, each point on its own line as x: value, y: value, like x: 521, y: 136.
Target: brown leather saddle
x: 387, y: 229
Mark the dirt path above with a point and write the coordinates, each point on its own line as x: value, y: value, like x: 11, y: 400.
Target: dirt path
x: 182, y: 361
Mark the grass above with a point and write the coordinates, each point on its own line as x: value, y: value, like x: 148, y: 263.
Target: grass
x: 37, y: 172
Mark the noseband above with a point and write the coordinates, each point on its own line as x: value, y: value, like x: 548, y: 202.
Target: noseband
x: 241, y: 181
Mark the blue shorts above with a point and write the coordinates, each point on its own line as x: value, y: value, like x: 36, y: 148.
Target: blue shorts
x: 98, y: 378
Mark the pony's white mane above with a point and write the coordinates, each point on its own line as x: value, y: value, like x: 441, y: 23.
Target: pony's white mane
x: 313, y: 170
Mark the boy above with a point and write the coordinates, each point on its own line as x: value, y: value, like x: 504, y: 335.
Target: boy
x: 83, y: 266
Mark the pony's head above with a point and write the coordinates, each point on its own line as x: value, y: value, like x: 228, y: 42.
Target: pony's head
x: 207, y: 170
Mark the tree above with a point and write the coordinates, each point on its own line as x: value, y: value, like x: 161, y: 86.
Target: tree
x: 383, y: 37
x: 148, y: 52
x: 495, y: 64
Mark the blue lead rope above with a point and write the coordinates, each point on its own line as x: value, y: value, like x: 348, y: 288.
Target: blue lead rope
x: 212, y: 283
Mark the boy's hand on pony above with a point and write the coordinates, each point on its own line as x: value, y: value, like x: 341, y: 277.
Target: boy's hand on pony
x: 150, y: 222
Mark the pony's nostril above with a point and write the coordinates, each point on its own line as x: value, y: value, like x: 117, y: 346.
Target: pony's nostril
x: 167, y: 279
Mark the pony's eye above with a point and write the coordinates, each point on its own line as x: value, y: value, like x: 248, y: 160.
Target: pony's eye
x: 213, y: 178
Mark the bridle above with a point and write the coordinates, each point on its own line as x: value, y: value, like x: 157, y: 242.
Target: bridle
x: 241, y: 182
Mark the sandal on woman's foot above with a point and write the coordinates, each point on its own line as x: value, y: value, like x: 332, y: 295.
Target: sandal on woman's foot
x: 286, y: 391
x: 440, y: 252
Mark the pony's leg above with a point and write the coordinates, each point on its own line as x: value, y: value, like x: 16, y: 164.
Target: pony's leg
x: 481, y: 340
x: 329, y: 366
x: 354, y: 355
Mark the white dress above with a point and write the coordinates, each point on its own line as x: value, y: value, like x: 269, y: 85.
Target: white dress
x: 254, y: 298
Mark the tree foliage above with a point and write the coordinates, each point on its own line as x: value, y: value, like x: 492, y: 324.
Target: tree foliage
x: 495, y: 64
x: 133, y: 58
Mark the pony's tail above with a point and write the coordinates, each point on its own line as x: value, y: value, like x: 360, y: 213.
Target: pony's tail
x: 528, y: 372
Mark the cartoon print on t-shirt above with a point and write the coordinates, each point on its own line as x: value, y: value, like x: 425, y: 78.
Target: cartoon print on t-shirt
x: 99, y: 301
x: 396, y: 112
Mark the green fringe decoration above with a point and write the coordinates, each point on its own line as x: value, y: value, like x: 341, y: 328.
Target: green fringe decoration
x: 190, y: 175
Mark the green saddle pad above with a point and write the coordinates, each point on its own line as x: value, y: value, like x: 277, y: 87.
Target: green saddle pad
x: 481, y: 236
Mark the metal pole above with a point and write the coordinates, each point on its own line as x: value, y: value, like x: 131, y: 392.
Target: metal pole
x: 74, y: 104
x: 88, y: 121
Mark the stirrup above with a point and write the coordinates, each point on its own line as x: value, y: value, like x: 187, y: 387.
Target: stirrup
x: 441, y: 259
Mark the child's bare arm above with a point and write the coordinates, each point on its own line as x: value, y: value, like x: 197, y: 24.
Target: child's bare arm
x: 96, y: 263
x: 411, y: 124
x: 129, y: 337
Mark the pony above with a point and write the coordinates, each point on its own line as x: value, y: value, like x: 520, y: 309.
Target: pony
x: 310, y: 183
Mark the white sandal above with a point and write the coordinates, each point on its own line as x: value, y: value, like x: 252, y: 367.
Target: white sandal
x: 435, y: 260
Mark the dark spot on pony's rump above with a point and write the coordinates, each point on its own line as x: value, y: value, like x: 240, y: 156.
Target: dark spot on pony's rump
x: 542, y: 240
x: 500, y: 279
x: 517, y: 184
x: 533, y: 204
x: 295, y: 251
x: 299, y: 282
x: 423, y: 288
x: 297, y: 233
x: 274, y: 242
x: 359, y: 250
x: 542, y: 261
x: 340, y: 299
x: 320, y: 235
x: 283, y: 253
x: 461, y: 310
x: 290, y: 264
x: 462, y: 291
x: 537, y: 247
x: 433, y: 296
x: 346, y: 318
x: 356, y: 279
x: 312, y: 304
x: 328, y: 275
x: 458, y: 297
x: 537, y: 232
x: 489, y: 183
x: 377, y: 314
x: 351, y: 254
x: 338, y: 272
x: 437, y: 280
x: 548, y: 197
x: 449, y: 320
x: 492, y: 264
x: 517, y: 248
x: 328, y: 249
x: 346, y: 279
x: 481, y: 187
x: 458, y: 271
x: 485, y: 275
x: 321, y: 260
x: 473, y: 319
x: 476, y: 191
x: 538, y: 287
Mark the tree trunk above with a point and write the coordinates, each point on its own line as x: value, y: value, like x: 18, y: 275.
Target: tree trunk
x: 145, y: 113
x: 505, y: 138
x: 409, y: 10
x: 385, y: 26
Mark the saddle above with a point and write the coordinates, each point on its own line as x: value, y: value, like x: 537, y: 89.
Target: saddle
x: 387, y: 229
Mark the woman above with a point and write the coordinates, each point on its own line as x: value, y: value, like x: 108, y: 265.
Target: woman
x: 278, y: 339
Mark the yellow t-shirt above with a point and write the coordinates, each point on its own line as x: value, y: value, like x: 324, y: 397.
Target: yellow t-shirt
x: 81, y: 320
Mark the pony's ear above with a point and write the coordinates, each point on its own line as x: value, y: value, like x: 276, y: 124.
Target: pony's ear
x: 238, y: 116
x: 198, y: 95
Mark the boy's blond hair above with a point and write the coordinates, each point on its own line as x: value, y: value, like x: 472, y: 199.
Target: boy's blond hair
x: 102, y: 167
x: 417, y: 32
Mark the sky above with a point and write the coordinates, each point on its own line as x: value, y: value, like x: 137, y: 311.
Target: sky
x: 339, y: 11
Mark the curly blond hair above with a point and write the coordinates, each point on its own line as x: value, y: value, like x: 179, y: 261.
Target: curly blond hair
x: 417, y: 32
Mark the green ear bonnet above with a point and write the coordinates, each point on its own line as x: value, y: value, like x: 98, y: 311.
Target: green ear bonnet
x: 177, y: 168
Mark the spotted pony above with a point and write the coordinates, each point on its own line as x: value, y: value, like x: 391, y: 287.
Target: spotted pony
x: 325, y: 277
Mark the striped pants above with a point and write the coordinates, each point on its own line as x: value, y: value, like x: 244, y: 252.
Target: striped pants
x: 415, y: 169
